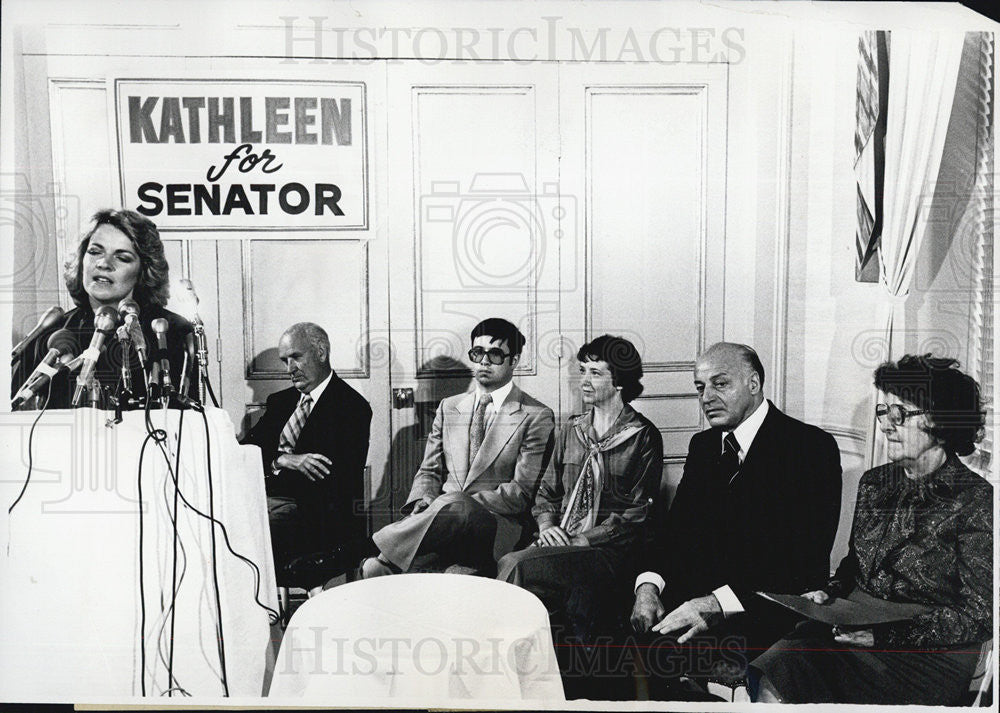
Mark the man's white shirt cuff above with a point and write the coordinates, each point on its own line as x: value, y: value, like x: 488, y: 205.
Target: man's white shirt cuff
x: 650, y: 578
x: 728, y: 600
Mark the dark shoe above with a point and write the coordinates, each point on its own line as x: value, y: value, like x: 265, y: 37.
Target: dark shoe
x: 315, y: 569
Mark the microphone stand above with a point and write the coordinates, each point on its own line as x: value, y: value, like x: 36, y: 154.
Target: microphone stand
x: 199, y: 333
x: 126, y: 395
x: 124, y: 340
x: 93, y: 386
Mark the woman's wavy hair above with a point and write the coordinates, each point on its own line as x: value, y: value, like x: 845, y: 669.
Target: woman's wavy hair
x: 153, y: 285
x: 623, y: 359
x: 951, y: 397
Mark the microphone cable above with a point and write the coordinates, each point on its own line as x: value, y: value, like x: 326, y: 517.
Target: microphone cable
x: 142, y: 582
x: 211, y: 393
x: 174, y: 584
x: 272, y: 614
x: 215, y: 568
x: 157, y: 436
x: 31, y: 438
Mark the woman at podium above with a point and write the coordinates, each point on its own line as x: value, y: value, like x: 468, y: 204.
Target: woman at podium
x: 119, y: 342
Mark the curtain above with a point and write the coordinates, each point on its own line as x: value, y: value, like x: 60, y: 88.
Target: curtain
x: 923, y: 71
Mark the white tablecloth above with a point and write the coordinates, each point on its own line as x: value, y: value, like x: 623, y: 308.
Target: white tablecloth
x: 419, y: 639
x: 69, y: 559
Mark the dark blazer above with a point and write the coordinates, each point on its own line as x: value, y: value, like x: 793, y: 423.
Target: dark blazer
x: 771, y: 529
x: 80, y: 323
x: 338, y: 428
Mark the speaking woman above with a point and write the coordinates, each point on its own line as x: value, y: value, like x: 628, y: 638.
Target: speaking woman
x: 120, y: 258
x: 922, y: 534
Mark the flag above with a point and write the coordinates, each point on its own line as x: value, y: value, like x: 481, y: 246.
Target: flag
x: 869, y: 149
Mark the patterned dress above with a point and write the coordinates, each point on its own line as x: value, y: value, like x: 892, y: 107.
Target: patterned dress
x: 926, y: 541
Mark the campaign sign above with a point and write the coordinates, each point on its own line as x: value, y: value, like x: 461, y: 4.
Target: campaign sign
x: 243, y: 155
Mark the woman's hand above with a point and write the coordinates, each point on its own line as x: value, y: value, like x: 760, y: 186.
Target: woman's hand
x: 857, y: 637
x: 553, y: 536
x: 817, y: 597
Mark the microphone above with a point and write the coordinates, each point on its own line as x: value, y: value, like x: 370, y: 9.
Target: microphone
x: 62, y: 347
x: 189, y: 308
x: 46, y: 321
x: 190, y: 300
x: 190, y: 355
x: 105, y: 321
x: 160, y: 326
x: 129, y: 310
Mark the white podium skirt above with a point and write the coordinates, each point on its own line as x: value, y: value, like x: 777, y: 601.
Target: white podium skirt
x: 70, y: 609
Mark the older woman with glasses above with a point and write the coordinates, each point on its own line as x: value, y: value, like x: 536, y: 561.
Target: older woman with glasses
x: 922, y: 534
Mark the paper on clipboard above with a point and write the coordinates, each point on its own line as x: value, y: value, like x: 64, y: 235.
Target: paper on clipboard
x: 857, y: 609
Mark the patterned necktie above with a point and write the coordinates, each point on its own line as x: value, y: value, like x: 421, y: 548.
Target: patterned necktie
x: 290, y: 433
x: 729, y: 463
x: 477, y: 432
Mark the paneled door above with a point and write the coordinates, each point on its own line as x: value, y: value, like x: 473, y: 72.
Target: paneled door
x: 268, y: 281
x: 475, y: 224
x: 643, y: 164
x: 545, y: 193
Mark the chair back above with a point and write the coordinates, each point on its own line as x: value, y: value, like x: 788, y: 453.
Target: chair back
x: 981, y: 685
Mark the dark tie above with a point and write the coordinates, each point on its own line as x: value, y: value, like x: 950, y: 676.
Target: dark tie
x: 290, y: 433
x: 478, y: 429
x: 729, y: 463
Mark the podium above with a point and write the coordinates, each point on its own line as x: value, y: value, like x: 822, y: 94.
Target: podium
x: 70, y: 601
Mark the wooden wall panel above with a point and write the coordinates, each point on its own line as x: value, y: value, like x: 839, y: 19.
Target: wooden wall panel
x: 479, y: 232
x: 322, y: 281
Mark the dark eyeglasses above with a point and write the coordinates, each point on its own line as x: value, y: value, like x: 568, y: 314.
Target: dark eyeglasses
x: 895, y: 414
x: 496, y: 356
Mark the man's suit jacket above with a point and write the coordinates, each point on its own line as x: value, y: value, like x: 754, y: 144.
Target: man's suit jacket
x: 504, y: 476
x: 337, y: 427
x: 770, y: 529
x: 509, y: 465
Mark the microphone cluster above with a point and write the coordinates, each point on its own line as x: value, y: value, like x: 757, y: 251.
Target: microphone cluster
x: 64, y: 354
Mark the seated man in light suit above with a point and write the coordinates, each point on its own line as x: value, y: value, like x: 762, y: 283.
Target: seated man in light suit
x: 313, y: 439
x: 485, y: 457
x: 756, y: 510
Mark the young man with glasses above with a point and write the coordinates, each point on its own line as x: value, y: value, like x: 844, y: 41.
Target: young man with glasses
x: 485, y: 456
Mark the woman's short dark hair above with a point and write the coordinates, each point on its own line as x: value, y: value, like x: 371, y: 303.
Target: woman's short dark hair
x: 498, y: 329
x: 950, y: 397
x: 152, y: 287
x: 622, y: 358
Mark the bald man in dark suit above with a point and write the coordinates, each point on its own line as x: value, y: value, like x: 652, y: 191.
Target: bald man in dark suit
x: 313, y: 439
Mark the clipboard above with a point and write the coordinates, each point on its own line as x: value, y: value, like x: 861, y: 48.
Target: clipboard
x: 857, y: 609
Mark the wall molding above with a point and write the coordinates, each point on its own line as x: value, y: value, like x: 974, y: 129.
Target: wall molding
x: 848, y: 436
x: 782, y: 220
x: 527, y: 366
x: 66, y: 234
x: 250, y: 349
x: 694, y: 88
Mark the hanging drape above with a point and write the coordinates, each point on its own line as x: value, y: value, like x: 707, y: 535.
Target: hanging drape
x: 923, y: 70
